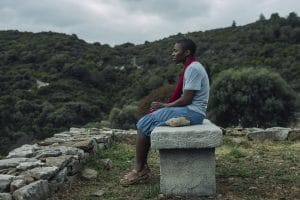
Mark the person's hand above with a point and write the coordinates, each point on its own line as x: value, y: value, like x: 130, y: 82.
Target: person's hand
x: 156, y: 105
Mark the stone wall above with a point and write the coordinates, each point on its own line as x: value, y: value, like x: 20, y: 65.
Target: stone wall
x: 272, y: 134
x: 33, y: 172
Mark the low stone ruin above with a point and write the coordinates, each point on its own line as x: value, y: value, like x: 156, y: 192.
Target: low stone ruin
x: 259, y: 134
x: 33, y: 172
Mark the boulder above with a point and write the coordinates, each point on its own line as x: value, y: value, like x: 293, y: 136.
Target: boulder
x: 29, y: 165
x: 5, y: 181
x: 43, y: 172
x: 58, y: 180
x: 24, y: 151
x: 38, y: 190
x: 13, y: 162
x: 60, y: 161
x: 86, y: 145
x: 274, y: 133
x: 47, y: 153
x: 16, y: 184
x: 73, y: 166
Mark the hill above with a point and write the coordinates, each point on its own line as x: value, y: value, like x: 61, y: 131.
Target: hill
x: 89, y: 81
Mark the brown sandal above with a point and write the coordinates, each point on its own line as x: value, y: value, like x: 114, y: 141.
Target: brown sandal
x: 135, y: 176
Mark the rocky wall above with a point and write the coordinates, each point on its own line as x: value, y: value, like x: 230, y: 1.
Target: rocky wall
x: 35, y: 171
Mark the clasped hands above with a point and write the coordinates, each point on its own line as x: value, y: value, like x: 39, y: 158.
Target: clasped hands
x: 157, y: 105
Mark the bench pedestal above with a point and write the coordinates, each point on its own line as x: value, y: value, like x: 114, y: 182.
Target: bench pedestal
x: 187, y: 172
x: 187, y: 160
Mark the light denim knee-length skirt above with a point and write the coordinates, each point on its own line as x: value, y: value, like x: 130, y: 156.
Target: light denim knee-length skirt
x: 158, y: 118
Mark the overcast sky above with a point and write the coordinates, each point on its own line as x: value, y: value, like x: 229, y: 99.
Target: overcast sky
x: 119, y: 21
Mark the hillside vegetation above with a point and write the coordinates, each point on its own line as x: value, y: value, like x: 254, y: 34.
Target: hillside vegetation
x: 95, y: 82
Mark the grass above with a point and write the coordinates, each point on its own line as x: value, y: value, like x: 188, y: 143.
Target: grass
x: 249, y: 170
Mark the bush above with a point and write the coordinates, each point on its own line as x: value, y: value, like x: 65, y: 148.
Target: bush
x: 251, y: 97
x: 124, y: 118
x: 160, y: 94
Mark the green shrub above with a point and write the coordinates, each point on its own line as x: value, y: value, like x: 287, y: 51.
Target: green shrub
x: 251, y: 97
x: 160, y: 94
x: 124, y: 118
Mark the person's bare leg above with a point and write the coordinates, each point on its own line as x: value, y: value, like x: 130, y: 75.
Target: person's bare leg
x: 142, y: 149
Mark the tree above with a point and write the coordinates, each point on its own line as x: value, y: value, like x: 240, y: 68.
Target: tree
x: 233, y: 24
x: 262, y: 17
x: 251, y: 97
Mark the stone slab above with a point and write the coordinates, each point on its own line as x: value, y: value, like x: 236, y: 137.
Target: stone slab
x: 187, y: 172
x: 13, y: 162
x: 274, y: 133
x: 206, y: 135
x: 5, y: 181
x: 38, y: 190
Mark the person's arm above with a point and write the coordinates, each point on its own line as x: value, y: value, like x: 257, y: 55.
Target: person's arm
x: 184, y: 100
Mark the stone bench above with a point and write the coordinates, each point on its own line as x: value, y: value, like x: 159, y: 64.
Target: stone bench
x: 187, y: 160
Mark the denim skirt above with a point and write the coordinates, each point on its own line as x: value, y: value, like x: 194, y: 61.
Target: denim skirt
x: 158, y: 118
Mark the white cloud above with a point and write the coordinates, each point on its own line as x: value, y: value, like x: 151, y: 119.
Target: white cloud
x: 120, y: 21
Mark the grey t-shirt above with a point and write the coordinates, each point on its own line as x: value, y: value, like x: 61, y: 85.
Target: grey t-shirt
x: 196, y: 78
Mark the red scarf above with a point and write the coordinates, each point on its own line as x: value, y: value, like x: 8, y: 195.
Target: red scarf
x: 178, y: 90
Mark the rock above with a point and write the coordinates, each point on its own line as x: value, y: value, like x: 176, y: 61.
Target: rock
x: 70, y: 151
x: 16, y: 184
x: 5, y: 196
x: 13, y: 162
x: 61, y: 176
x: 73, y: 167
x: 52, y: 140
x: 294, y: 135
x: 29, y: 165
x: 98, y: 193
x: 58, y: 180
x: 239, y: 140
x: 60, y: 161
x: 47, y: 153
x: 87, y: 145
x: 43, y: 172
x: 63, y: 135
x: 107, y: 163
x: 89, y: 173
x: 78, y: 131
x: 101, y: 138
x: 5, y: 181
x: 274, y: 133
x: 38, y: 190
x: 23, y: 151
x: 9, y: 171
x: 27, y: 178
x: 178, y: 121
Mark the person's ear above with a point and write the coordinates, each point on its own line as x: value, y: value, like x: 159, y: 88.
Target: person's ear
x: 187, y: 52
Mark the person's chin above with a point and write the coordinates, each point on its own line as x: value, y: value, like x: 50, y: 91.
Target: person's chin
x: 175, y: 61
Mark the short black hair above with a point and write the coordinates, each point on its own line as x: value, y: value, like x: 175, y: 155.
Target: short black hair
x: 188, y: 44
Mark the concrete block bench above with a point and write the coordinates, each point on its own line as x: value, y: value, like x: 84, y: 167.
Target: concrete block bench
x: 187, y: 160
